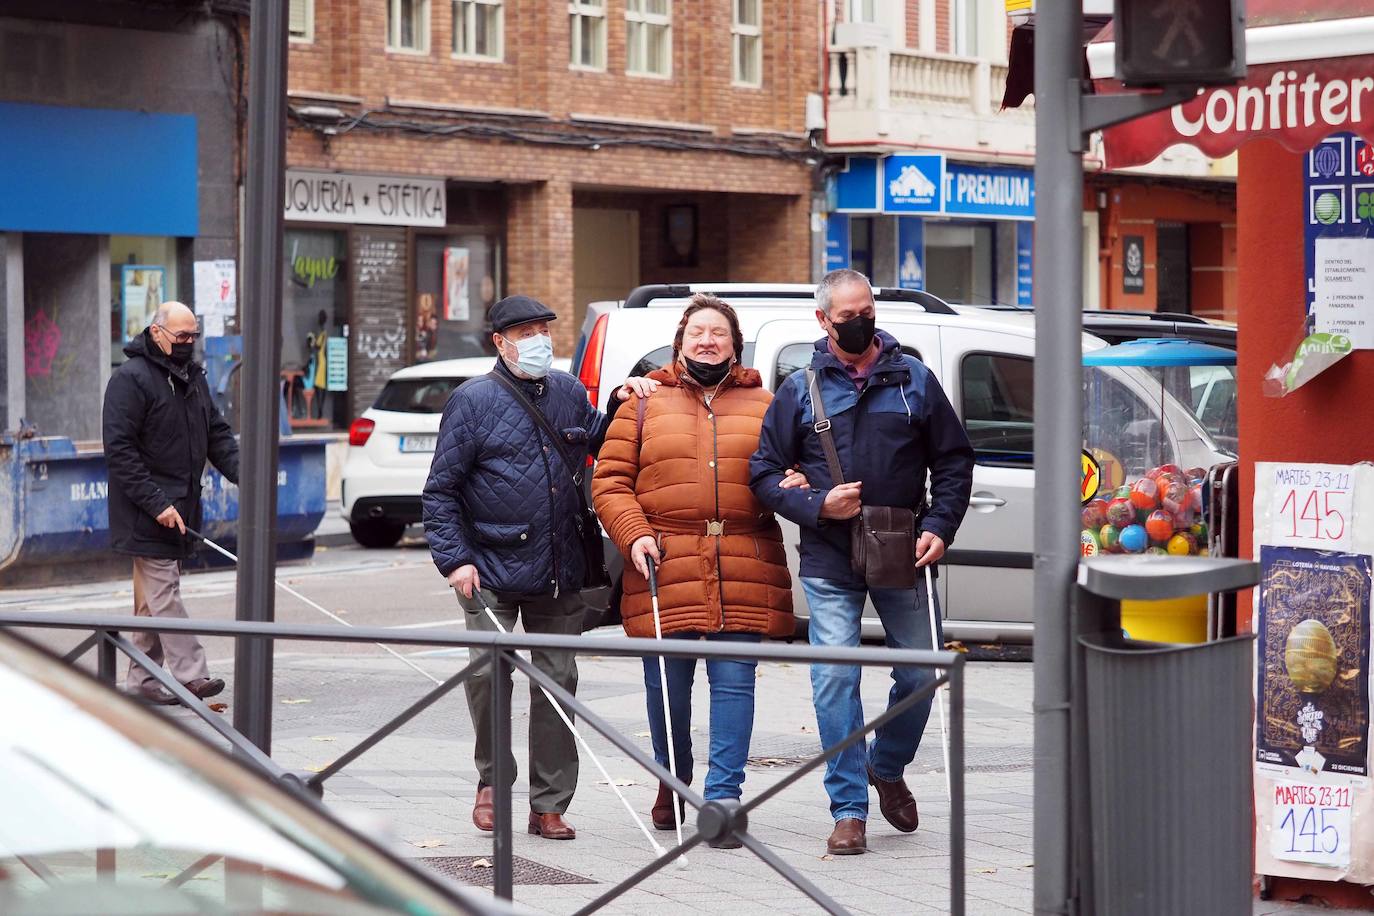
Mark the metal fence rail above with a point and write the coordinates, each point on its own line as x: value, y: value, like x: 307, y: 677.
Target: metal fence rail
x: 716, y: 820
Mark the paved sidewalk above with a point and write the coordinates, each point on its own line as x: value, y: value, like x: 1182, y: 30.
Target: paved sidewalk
x: 420, y: 781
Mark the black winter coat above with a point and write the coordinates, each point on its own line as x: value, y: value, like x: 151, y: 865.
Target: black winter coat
x: 499, y: 496
x: 159, y: 426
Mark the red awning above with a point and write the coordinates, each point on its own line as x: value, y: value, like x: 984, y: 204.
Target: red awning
x: 1311, y: 74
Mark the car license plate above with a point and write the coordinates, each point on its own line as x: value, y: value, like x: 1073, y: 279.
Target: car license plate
x: 418, y: 443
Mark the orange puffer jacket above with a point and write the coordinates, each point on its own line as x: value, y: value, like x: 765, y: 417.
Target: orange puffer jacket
x: 691, y: 470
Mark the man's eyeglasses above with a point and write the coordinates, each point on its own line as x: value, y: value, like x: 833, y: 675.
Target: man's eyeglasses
x: 182, y: 336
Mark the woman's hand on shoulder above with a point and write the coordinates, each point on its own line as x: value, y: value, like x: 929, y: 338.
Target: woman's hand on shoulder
x: 636, y: 386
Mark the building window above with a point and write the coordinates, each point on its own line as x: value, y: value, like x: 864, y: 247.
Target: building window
x: 649, y: 36
x: 964, y: 21
x: 587, y: 20
x: 302, y: 20
x: 407, y: 25
x: 747, y: 30
x: 477, y: 28
x: 863, y: 10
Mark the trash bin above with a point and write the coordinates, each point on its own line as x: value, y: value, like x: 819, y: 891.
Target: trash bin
x: 1168, y: 741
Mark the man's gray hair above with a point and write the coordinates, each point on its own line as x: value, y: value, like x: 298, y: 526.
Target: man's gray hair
x: 834, y: 280
x: 164, y: 312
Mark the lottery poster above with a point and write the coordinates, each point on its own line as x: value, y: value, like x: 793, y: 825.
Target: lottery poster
x: 1312, y: 691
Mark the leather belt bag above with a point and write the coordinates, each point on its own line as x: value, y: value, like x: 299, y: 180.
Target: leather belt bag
x: 882, y: 539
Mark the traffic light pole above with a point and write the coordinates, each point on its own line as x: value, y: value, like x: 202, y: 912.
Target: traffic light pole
x: 261, y: 327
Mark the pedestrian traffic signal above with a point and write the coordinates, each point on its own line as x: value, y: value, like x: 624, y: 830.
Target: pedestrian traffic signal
x: 1179, y: 42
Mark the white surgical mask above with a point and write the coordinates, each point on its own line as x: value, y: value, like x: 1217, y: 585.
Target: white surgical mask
x: 536, y: 355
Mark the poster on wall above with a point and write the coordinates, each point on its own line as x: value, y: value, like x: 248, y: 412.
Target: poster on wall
x: 456, y: 307
x: 216, y: 288
x: 911, y: 253
x: 336, y: 364
x: 1344, y: 300
x: 141, y: 291
x: 1312, y: 694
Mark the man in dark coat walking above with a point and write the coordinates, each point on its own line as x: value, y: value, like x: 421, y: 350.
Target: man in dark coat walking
x: 503, y: 518
x: 159, y: 427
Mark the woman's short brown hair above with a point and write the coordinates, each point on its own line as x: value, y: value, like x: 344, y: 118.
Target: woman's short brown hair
x: 707, y: 301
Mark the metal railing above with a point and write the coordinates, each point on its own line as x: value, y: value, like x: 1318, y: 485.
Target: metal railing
x: 716, y: 820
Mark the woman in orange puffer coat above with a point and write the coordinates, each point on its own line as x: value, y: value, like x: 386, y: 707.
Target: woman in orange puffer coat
x: 672, y: 485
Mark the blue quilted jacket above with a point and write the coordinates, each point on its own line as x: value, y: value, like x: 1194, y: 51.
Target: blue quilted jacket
x: 499, y: 496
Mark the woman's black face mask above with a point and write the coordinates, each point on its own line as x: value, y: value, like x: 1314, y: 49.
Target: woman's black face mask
x: 707, y: 374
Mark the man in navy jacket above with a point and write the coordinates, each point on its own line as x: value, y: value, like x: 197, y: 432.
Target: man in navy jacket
x: 502, y: 517
x: 892, y: 424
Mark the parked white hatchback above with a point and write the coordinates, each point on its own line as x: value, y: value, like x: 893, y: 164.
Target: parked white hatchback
x: 391, y: 445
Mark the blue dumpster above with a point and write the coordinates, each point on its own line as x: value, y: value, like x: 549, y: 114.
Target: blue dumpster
x: 54, y: 509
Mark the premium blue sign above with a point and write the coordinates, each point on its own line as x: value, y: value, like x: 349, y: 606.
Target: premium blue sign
x: 996, y: 192
x: 836, y: 241
x: 913, y: 183
x: 856, y: 188
x: 1025, y: 233
x: 911, y: 252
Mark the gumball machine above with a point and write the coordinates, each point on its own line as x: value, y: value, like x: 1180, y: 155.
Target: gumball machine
x: 1146, y: 454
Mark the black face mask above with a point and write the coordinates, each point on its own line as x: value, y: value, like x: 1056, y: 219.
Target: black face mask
x: 708, y: 374
x: 856, y: 334
x: 181, y: 353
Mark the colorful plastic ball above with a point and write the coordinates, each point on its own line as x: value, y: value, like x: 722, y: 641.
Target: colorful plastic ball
x: 1145, y: 493
x: 1122, y: 492
x: 1177, y: 497
x: 1109, y: 538
x: 1120, y: 512
x: 1156, y: 552
x: 1134, y: 539
x: 1196, y: 496
x: 1160, y: 525
x: 1095, y: 514
x: 1182, y: 544
x: 1199, y: 532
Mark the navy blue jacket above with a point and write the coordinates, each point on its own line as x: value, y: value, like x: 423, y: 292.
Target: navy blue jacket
x: 499, y: 496
x: 888, y: 436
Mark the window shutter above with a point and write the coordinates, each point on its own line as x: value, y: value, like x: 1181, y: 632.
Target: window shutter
x: 299, y: 21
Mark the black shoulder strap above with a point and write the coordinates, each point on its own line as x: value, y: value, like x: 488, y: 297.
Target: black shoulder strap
x: 822, y: 427
x: 569, y: 461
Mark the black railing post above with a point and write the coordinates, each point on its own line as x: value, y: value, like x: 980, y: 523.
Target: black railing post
x: 105, y: 664
x: 956, y: 801
x: 502, y: 877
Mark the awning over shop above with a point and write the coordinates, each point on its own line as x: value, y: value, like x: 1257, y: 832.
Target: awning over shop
x: 1311, y: 74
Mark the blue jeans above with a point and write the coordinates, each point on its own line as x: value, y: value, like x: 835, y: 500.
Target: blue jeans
x: 835, y: 621
x: 732, y: 713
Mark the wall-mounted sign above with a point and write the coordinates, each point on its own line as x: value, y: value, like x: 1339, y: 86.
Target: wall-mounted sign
x: 926, y: 184
x: 911, y: 253
x: 1133, y: 264
x: 836, y: 241
x: 913, y: 184
x: 1025, y: 262
x: 216, y: 289
x: 334, y: 197
x: 980, y: 191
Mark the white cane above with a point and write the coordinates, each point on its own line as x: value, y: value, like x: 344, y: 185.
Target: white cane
x: 658, y: 849
x: 663, y: 685
x: 939, y: 693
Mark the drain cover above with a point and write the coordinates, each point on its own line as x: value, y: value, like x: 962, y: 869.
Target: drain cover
x: 461, y: 868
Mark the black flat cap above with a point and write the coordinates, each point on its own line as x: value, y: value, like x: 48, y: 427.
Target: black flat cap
x: 514, y: 310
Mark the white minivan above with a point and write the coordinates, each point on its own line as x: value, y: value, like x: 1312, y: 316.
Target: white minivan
x: 983, y: 359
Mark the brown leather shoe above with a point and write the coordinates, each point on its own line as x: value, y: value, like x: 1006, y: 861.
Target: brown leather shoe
x: 483, y: 812
x: 206, y: 687
x: 155, y: 695
x: 896, y: 802
x: 662, y: 811
x: 551, y: 826
x: 848, y: 838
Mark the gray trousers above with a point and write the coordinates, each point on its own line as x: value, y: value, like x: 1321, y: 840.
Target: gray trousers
x: 157, y: 593
x: 553, y: 749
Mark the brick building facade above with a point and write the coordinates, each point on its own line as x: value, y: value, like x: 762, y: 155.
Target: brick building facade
x: 582, y: 148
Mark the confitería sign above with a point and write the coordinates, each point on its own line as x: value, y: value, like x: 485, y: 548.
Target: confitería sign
x: 381, y: 200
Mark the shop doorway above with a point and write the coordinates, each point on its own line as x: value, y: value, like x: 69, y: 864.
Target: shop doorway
x: 605, y: 256
x: 1172, y: 273
x: 959, y: 262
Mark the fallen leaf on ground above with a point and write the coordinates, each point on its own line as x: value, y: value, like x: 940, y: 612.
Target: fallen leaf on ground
x: 427, y: 844
x: 218, y: 707
x: 323, y: 738
x: 643, y: 735
x: 161, y: 876
x: 827, y: 857
x: 481, y: 863
x: 956, y: 646
x: 318, y: 768
x: 985, y: 871
x: 294, y: 702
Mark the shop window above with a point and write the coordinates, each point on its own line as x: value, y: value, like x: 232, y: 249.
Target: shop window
x: 861, y: 244
x: 998, y: 397
x: 959, y: 261
x: 314, y: 362
x: 456, y: 282
x: 143, y: 275
x: 301, y: 22
x: 649, y: 37
x: 587, y: 22
x: 407, y: 25
x: 477, y: 27
x: 747, y: 30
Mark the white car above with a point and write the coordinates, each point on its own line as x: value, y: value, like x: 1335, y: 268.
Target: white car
x: 391, y: 445
x: 983, y: 359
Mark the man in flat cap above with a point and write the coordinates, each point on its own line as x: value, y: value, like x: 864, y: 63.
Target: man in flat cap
x: 503, y: 516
